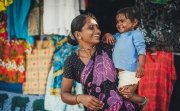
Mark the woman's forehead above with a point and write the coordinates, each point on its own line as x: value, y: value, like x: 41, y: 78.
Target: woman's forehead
x: 90, y: 20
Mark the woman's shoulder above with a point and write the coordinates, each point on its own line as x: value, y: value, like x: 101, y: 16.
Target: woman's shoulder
x: 72, y: 57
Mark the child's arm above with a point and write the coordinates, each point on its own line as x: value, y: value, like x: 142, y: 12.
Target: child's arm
x: 140, y: 68
x: 108, y: 38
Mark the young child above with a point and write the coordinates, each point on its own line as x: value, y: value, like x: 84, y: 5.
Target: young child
x: 129, y: 51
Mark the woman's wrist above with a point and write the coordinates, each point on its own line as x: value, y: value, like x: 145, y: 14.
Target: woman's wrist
x: 77, y: 99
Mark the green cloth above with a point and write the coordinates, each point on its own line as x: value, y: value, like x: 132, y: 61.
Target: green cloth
x: 160, y: 1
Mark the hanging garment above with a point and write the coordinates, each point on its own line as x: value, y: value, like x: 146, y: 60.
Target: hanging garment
x: 35, y: 20
x: 17, y: 23
x: 4, y: 4
x: 38, y: 64
x: 58, y: 15
x: 3, y: 26
x: 157, y: 82
x: 62, y: 51
x: 54, y: 102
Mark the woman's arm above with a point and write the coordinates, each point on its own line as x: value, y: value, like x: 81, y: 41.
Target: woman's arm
x: 87, y: 100
x: 66, y: 94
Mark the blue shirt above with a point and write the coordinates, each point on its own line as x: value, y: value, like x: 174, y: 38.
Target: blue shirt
x: 127, y: 48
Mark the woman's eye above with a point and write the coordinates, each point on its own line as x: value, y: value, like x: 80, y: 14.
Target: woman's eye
x: 92, y: 27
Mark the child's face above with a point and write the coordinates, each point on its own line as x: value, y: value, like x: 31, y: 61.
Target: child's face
x: 124, y: 24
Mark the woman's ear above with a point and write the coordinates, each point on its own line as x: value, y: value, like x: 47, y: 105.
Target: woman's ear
x: 77, y: 35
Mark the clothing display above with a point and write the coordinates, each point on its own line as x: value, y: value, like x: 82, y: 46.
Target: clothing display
x: 158, y: 80
x: 4, y: 4
x: 58, y: 15
x: 3, y: 25
x: 38, y: 64
x: 54, y: 102
x: 62, y: 51
x: 35, y: 19
x: 17, y: 22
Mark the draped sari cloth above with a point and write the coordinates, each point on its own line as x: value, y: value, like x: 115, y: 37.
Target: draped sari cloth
x: 100, y: 80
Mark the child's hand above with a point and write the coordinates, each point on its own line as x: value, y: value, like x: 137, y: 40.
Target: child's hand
x: 140, y: 72
x: 127, y: 91
x: 108, y: 38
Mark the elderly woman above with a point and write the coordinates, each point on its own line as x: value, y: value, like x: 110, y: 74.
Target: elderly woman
x: 92, y: 66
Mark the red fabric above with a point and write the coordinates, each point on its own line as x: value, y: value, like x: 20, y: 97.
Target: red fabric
x: 158, y: 80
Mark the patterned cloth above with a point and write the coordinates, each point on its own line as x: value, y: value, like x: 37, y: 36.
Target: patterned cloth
x: 62, y: 51
x: 158, y: 80
x: 99, y: 78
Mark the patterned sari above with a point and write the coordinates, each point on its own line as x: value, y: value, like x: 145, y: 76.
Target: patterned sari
x: 99, y: 79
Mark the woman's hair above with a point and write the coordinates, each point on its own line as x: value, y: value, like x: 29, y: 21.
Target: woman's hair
x: 131, y: 13
x: 76, y: 25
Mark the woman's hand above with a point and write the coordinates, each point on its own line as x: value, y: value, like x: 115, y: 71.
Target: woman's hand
x: 90, y: 102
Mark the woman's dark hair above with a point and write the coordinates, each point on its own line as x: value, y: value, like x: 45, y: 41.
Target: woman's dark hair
x: 77, y: 24
x: 131, y: 13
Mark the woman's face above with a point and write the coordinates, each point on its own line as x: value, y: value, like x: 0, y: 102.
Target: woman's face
x: 90, y: 32
x: 124, y: 24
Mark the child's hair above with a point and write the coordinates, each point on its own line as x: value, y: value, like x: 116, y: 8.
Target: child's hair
x: 131, y: 13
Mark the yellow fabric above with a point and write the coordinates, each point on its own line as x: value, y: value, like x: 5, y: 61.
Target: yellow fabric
x: 2, y: 30
x: 4, y: 4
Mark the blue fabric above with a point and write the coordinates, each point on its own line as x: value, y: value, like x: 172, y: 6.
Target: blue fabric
x: 60, y: 55
x: 11, y: 87
x: 127, y: 48
x: 17, y: 22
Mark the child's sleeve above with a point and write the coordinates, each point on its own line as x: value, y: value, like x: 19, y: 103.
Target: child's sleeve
x: 116, y: 35
x: 139, y: 42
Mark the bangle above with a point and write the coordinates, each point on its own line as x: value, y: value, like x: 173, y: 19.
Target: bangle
x: 145, y: 101
x: 77, y: 100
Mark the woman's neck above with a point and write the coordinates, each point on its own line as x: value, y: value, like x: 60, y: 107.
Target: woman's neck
x: 87, y: 51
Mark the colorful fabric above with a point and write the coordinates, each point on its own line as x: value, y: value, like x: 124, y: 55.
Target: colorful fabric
x: 3, y: 26
x: 4, y: 4
x: 12, y: 61
x: 37, y: 68
x: 54, y: 102
x: 157, y: 82
x: 98, y: 78
x: 62, y: 51
x: 17, y: 23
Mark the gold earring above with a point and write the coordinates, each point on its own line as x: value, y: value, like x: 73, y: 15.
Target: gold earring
x: 79, y: 38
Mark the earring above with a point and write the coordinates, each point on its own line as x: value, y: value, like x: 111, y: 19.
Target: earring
x: 79, y: 38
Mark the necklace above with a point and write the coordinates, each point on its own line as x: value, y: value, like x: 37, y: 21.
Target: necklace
x: 87, y: 49
x: 88, y: 52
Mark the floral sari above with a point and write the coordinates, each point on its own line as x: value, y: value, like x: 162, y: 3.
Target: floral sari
x: 99, y: 79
